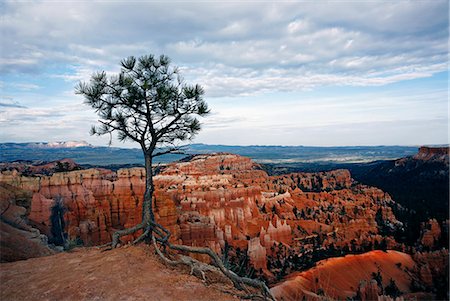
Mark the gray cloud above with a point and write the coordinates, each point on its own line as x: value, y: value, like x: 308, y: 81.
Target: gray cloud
x: 40, y: 123
x: 248, y: 47
x: 10, y: 103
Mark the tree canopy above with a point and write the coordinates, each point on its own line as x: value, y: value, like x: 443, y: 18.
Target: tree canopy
x: 148, y: 102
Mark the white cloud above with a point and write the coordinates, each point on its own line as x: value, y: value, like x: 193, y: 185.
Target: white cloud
x: 46, y: 124
x: 358, y: 119
x: 222, y: 80
x: 235, y: 49
x: 358, y: 39
x: 24, y: 86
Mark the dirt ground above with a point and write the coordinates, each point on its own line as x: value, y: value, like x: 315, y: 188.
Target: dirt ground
x: 127, y: 273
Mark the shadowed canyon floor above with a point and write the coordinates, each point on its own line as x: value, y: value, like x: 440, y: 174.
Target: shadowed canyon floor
x: 128, y: 273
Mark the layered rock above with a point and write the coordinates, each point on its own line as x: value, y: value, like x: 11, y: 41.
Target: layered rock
x: 257, y: 253
x: 339, y: 278
x: 211, y: 200
x: 97, y: 201
x: 30, y: 168
x: 432, y: 267
x: 368, y: 290
x: 18, y: 240
x: 433, y: 154
x: 431, y: 232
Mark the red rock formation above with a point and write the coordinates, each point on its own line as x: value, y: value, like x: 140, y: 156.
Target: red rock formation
x: 368, y: 291
x: 431, y: 232
x: 213, y: 199
x: 18, y: 240
x: 329, y: 180
x: 281, y: 232
x: 339, y: 278
x: 40, y: 168
x: 257, y: 253
x: 97, y: 201
x: 433, y: 154
x: 273, y: 223
x: 432, y: 266
x: 425, y: 155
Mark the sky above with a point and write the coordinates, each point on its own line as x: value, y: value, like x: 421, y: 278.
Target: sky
x: 322, y: 73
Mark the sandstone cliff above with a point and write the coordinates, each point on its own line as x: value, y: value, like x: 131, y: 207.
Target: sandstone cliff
x: 433, y: 154
x: 431, y: 233
x: 213, y: 199
x: 18, y: 240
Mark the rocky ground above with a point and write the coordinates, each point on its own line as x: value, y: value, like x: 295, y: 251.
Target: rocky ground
x: 128, y: 273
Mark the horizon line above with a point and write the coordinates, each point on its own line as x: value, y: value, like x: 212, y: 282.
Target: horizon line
x: 248, y: 145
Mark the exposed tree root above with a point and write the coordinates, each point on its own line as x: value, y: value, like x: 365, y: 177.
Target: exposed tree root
x: 142, y: 237
x: 243, y: 296
x: 118, y: 234
x: 105, y: 247
x: 161, y: 235
x: 198, y: 267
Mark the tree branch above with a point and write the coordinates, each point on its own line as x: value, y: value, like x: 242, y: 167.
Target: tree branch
x: 175, y: 150
x: 123, y: 129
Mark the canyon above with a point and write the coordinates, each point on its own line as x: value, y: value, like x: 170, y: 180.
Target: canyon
x: 275, y: 228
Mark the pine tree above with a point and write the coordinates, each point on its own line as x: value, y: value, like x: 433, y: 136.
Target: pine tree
x: 149, y: 103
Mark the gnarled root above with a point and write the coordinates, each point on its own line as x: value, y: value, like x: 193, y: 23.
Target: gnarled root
x: 161, y: 235
x: 197, y: 266
x: 142, y: 237
x: 118, y: 234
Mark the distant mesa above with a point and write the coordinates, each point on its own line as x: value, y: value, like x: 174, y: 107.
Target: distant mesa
x: 433, y: 154
x: 426, y: 154
x: 60, y: 144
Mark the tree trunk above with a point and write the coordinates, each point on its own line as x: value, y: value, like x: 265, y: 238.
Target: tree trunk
x: 148, y: 217
x: 147, y: 205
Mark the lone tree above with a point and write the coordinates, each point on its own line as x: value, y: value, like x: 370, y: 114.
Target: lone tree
x: 149, y: 103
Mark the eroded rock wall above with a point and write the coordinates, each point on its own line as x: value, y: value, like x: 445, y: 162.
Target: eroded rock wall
x: 213, y: 199
x: 18, y: 239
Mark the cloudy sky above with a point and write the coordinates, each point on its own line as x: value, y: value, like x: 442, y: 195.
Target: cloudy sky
x: 286, y: 73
